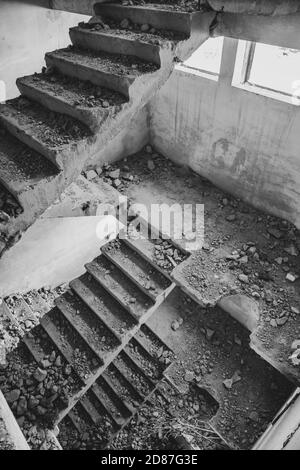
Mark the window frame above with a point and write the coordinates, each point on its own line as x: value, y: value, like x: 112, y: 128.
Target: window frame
x: 242, y: 69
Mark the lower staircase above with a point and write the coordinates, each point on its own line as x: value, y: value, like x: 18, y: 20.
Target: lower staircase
x: 84, y: 97
x: 91, y: 342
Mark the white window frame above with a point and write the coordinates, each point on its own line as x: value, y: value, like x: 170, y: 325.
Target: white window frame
x: 198, y: 72
x: 242, y: 69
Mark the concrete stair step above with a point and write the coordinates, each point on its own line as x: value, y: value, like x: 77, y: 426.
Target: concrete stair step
x: 135, y: 375
x: 120, y: 287
x: 46, y: 133
x: 105, y: 307
x: 127, y: 395
x: 83, y: 101
x: 108, y: 388
x: 150, y: 281
x: 108, y: 404
x: 21, y: 168
x: 90, y: 409
x: 116, y: 375
x: 120, y: 391
x: 157, y: 16
x: 93, y: 332
x: 76, y: 352
x: 114, y: 71
x: 158, y: 252
x: 116, y: 42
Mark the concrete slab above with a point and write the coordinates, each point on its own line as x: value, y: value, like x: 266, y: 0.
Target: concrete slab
x: 83, y: 197
x: 54, y: 251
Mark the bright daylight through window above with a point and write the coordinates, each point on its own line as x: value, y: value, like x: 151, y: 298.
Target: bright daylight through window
x: 276, y: 68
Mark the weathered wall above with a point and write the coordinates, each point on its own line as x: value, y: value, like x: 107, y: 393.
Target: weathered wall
x: 247, y: 144
x: 27, y: 31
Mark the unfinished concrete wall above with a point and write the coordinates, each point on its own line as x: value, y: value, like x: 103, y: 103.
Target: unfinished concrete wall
x: 27, y: 31
x: 248, y: 144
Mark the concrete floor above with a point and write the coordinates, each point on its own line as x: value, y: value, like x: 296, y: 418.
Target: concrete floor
x: 211, y: 348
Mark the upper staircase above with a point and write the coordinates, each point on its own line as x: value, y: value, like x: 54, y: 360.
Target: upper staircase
x: 84, y: 97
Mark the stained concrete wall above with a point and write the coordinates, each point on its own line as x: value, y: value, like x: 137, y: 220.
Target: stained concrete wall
x: 248, y: 144
x: 27, y: 31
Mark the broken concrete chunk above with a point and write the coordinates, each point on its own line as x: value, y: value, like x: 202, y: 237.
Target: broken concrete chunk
x: 13, y: 396
x: 114, y: 174
x: 189, y: 376
x: 291, y: 277
x: 90, y: 175
x: 150, y: 165
x: 40, y: 375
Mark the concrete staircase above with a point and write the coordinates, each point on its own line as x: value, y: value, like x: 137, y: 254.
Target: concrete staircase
x: 118, y: 394
x: 89, y: 327
x: 86, y: 96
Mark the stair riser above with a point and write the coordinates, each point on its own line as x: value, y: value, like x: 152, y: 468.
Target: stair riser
x: 97, y: 77
x: 157, y: 18
x: 59, y: 106
x: 115, y: 45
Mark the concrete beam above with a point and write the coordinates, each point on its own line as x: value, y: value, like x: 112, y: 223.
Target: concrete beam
x: 84, y: 7
x: 280, y: 31
x: 256, y: 7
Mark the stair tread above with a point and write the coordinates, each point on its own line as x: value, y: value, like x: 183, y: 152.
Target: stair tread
x: 108, y: 404
x: 128, y: 398
x: 49, y: 131
x: 103, y: 305
x: 124, y: 34
x: 87, y: 324
x: 150, y: 280
x: 107, y: 386
x: 91, y: 104
x: 79, y: 358
x: 113, y: 64
x: 122, y: 386
x: 21, y: 167
x: 133, y: 374
x: 122, y: 288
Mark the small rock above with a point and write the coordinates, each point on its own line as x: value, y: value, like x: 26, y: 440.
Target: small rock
x: 115, y: 174
x: 291, y: 277
x: 292, y: 250
x: 175, y: 325
x: 145, y: 27
x: 58, y: 361
x: 150, y: 165
x: 231, y: 218
x: 22, y: 406
x: 275, y: 232
x: 281, y: 321
x: 117, y: 183
x: 13, y: 396
x: 125, y: 23
x: 209, y: 333
x: 189, y: 376
x: 244, y: 278
x: 40, y: 375
x: 90, y: 175
x: 295, y: 310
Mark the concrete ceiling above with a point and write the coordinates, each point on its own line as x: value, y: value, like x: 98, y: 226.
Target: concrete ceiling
x: 256, y: 7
